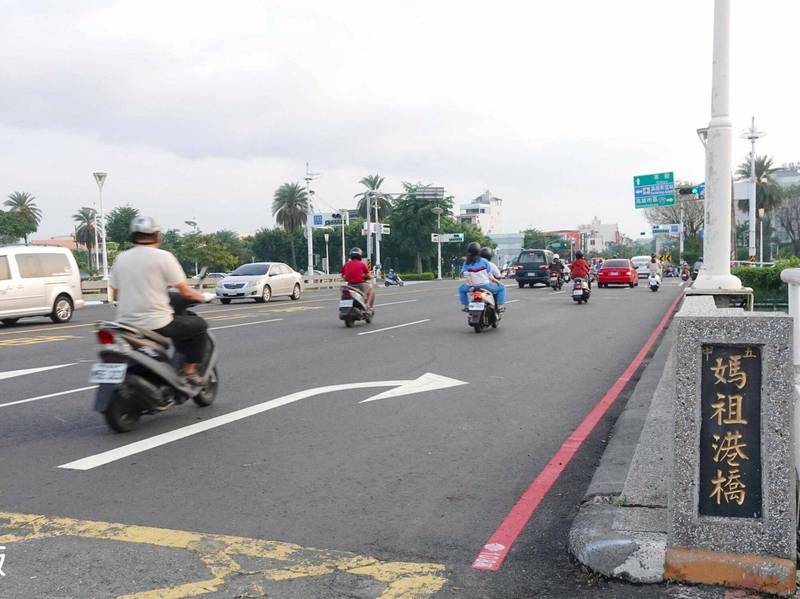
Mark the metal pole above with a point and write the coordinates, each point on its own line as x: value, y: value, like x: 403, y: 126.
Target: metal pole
x: 761, y: 242
x: 101, y: 179
x: 327, y: 255
x: 439, y: 247
x: 680, y: 242
x: 309, y: 222
x: 752, y: 134
x: 369, y: 232
x: 378, y: 233
x: 344, y: 218
x: 96, y: 245
x: 716, y: 272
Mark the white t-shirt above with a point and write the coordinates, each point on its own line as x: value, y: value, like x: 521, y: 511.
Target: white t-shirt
x: 142, y: 275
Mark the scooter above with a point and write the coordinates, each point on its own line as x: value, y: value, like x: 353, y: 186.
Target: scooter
x: 555, y: 281
x: 353, y: 306
x: 482, y: 309
x: 393, y: 281
x: 581, y: 291
x: 140, y: 371
x: 654, y: 282
x: 684, y: 275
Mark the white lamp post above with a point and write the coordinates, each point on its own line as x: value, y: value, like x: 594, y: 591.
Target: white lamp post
x: 327, y: 255
x: 101, y: 178
x: 716, y: 272
x: 309, y: 220
x: 193, y: 224
x: 753, y: 134
x: 438, y: 212
x: 761, y: 236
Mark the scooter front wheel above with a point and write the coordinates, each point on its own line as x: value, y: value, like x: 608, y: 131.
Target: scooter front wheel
x: 121, y: 414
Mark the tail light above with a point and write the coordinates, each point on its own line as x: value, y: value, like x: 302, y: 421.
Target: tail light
x: 477, y: 296
x: 105, y: 337
x: 345, y: 293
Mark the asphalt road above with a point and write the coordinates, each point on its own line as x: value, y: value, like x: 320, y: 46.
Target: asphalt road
x: 323, y: 496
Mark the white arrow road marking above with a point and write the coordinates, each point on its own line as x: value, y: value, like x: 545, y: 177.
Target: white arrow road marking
x: 12, y: 373
x: 429, y: 383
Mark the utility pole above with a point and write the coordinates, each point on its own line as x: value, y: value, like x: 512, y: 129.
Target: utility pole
x: 752, y: 134
x: 680, y: 238
x: 310, y: 220
x: 716, y: 272
x: 345, y: 221
x: 101, y: 178
x: 438, y: 212
x: 378, y: 233
x: 369, y: 228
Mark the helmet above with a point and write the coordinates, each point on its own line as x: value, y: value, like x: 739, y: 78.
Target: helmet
x: 578, y: 254
x: 474, y: 248
x: 145, y: 225
x: 486, y: 252
x: 391, y: 270
x: 555, y: 256
x: 356, y: 253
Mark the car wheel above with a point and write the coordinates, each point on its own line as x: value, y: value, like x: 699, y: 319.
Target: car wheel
x: 296, y: 292
x: 521, y: 284
x: 266, y: 294
x: 9, y: 321
x: 225, y: 301
x: 62, y: 309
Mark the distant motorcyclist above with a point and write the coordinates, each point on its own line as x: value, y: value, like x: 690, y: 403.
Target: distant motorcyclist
x: 557, y: 266
x: 393, y: 276
x: 579, y: 269
x: 357, y: 274
x: 477, y: 272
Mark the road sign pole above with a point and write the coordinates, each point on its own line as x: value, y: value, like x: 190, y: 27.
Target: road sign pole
x: 439, y: 248
x: 680, y: 243
x: 716, y: 272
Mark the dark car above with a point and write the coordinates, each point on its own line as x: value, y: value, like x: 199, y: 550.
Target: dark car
x: 533, y: 266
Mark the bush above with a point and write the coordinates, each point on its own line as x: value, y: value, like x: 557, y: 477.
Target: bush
x: 412, y: 276
x: 766, y: 282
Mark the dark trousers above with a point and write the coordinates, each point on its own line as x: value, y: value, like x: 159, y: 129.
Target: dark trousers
x: 189, y: 335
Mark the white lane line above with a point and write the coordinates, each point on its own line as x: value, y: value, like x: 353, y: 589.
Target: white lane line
x: 244, y: 324
x: 393, y: 303
x: 14, y: 403
x: 512, y: 301
x: 508, y: 285
x: 12, y: 373
x: 397, y: 326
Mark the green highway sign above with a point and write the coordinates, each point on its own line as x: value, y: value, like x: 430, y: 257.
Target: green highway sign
x: 654, y: 190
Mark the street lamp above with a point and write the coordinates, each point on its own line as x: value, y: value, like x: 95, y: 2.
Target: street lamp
x: 327, y: 255
x: 761, y: 236
x: 193, y: 224
x: 309, y: 220
x: 438, y: 212
x: 101, y: 178
x: 752, y: 134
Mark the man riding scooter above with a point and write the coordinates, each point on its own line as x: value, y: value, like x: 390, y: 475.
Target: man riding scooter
x: 477, y: 272
x: 392, y: 278
x: 579, y: 269
x: 356, y: 273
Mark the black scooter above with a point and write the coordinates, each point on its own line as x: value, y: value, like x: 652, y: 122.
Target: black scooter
x: 140, y: 372
x: 353, y: 306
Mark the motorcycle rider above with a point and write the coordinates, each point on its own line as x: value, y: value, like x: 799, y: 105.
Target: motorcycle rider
x: 139, y: 280
x: 654, y: 267
x: 486, y: 254
x: 393, y: 276
x: 579, y: 269
x: 357, y: 274
x: 557, y: 266
x: 477, y: 272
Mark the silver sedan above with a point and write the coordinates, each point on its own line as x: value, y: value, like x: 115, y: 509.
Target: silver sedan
x: 260, y: 281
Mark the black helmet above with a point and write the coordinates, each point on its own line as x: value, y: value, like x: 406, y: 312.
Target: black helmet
x: 486, y: 252
x: 356, y: 253
x: 474, y: 248
x: 578, y: 254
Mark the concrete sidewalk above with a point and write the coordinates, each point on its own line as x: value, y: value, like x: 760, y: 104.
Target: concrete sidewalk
x: 621, y: 527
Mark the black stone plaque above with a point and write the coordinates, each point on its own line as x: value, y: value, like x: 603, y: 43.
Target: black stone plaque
x: 730, y: 433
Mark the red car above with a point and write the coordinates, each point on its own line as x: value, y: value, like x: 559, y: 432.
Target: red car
x: 617, y: 272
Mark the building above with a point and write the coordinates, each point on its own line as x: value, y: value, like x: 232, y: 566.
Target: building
x: 597, y: 236
x: 509, y: 245
x: 483, y: 212
x: 64, y: 241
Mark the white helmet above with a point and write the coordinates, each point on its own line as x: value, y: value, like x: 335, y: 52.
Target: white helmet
x: 556, y: 257
x: 145, y: 225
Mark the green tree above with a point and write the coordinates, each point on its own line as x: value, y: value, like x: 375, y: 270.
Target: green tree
x: 373, y: 184
x: 206, y: 249
x: 118, y: 223
x: 23, y: 204
x: 534, y: 238
x: 274, y: 244
x: 14, y: 226
x: 290, y: 209
x: 768, y: 192
x: 85, y: 230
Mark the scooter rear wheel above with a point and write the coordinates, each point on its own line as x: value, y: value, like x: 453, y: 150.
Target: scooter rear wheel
x: 348, y: 322
x: 209, y: 393
x: 121, y: 414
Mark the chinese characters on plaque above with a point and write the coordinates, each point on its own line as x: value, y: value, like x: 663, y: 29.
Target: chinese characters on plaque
x: 730, y: 433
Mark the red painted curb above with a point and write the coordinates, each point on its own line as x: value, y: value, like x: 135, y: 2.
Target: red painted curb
x: 494, y: 552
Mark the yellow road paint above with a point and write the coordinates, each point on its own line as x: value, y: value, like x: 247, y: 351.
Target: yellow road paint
x: 402, y: 580
x: 35, y: 340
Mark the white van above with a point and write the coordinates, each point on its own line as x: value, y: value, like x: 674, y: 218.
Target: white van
x: 38, y: 281
x: 640, y: 263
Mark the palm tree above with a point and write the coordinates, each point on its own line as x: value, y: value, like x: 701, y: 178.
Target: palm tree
x: 373, y: 184
x: 290, y: 209
x: 23, y: 204
x: 84, y: 231
x: 768, y: 194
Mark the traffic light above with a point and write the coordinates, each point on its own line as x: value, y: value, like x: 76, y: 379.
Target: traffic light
x: 687, y: 191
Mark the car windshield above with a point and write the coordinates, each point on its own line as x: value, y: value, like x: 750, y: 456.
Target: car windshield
x: 249, y: 270
x: 615, y: 264
x: 531, y: 258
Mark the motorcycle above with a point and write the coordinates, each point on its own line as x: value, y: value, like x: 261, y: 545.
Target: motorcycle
x: 140, y: 371
x: 481, y: 309
x: 581, y: 291
x: 684, y: 275
x: 555, y: 281
x: 388, y: 282
x: 353, y: 306
x: 654, y: 282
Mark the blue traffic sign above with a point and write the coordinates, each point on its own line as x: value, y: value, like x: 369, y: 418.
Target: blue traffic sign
x: 654, y: 190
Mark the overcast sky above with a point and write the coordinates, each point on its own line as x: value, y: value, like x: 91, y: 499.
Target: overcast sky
x: 202, y: 109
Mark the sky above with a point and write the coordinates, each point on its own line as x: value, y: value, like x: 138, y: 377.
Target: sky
x: 200, y: 110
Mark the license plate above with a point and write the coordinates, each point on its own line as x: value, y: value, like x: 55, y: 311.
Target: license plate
x: 614, y: 274
x: 531, y: 274
x: 577, y: 292
x: 107, y: 373
x: 477, y: 306
x: 346, y: 303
